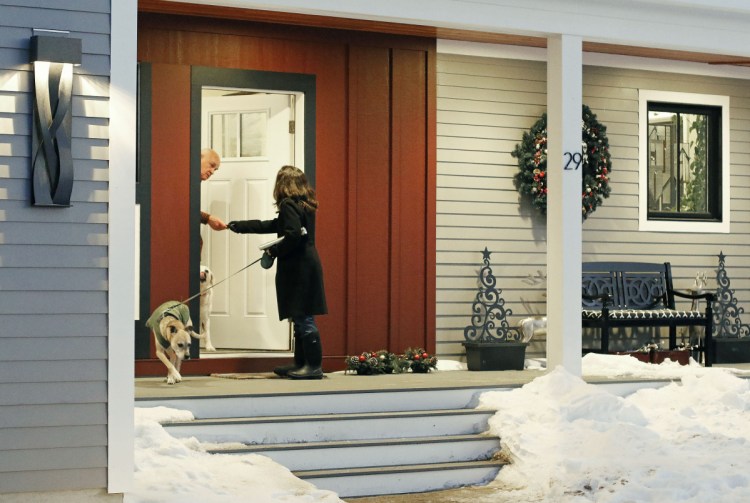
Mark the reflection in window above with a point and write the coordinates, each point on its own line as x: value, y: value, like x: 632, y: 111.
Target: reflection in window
x: 684, y: 162
x: 239, y: 134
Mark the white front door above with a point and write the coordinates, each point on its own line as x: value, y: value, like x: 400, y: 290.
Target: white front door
x: 251, y: 132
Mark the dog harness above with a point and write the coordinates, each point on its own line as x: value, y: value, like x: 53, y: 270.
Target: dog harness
x: 176, y: 310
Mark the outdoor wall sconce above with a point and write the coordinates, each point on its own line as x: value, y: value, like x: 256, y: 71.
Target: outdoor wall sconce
x: 51, y: 157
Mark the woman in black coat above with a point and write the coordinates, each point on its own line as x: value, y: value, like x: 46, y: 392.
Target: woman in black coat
x: 299, y: 275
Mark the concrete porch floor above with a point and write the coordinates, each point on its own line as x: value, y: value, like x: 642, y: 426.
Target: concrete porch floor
x: 338, y: 382
x: 268, y: 383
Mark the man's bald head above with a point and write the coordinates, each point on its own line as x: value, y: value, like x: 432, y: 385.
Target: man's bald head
x: 210, y: 162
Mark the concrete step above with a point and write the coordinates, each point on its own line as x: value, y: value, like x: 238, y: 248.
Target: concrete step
x: 343, y: 402
x: 355, y: 482
x: 368, y: 453
x: 332, y: 427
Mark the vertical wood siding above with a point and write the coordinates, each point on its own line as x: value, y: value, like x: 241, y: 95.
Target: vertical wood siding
x: 374, y: 167
x: 53, y: 266
x: 484, y: 107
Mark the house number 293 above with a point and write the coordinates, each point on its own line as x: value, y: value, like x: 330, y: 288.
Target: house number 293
x: 574, y: 160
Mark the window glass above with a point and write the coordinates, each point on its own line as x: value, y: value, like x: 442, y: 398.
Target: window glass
x: 684, y: 167
x: 239, y: 135
x: 253, y: 134
x: 683, y: 162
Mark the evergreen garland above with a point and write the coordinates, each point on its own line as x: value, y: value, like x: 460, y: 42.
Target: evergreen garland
x: 695, y: 192
x: 596, y: 164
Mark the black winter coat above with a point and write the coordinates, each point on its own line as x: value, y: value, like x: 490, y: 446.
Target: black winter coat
x: 299, y: 274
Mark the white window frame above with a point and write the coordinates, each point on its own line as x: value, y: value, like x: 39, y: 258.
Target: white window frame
x: 644, y: 224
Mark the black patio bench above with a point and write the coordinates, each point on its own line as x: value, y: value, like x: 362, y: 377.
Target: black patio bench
x: 637, y: 294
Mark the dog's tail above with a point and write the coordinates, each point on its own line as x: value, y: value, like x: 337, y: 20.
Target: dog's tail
x: 195, y: 335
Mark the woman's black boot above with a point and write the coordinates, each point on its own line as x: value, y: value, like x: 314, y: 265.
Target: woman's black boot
x: 299, y: 359
x: 313, y: 352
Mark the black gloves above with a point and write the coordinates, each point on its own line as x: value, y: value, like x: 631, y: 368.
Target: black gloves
x: 232, y: 226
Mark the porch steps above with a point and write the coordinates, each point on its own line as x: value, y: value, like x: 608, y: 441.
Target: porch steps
x: 301, y: 456
x: 356, y: 443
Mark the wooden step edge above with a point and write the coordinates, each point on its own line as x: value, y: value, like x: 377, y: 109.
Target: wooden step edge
x: 259, y: 448
x: 480, y: 388
x: 498, y: 463
x: 348, y: 416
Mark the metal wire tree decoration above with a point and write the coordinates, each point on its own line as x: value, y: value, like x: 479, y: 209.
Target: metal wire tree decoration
x: 489, y: 322
x: 727, y: 313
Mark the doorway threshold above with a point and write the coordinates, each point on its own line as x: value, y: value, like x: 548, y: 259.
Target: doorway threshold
x: 229, y: 353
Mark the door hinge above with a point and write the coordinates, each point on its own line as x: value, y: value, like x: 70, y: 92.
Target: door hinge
x: 291, y: 127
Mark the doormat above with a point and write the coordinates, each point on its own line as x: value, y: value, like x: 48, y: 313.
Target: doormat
x: 246, y: 376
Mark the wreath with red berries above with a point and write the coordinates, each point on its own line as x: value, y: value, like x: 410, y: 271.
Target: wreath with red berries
x: 596, y: 164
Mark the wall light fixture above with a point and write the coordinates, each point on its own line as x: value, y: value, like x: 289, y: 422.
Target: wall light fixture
x: 51, y: 157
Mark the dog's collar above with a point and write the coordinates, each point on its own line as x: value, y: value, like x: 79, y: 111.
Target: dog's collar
x: 168, y: 312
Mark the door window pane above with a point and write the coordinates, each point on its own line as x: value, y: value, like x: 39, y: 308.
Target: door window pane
x: 253, y: 133
x: 239, y: 134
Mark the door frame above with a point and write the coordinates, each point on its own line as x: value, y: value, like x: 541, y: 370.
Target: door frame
x: 202, y: 76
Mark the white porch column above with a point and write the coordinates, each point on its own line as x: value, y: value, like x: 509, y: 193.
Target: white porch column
x: 122, y: 230
x: 564, y: 102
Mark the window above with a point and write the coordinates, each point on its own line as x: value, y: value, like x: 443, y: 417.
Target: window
x: 239, y: 134
x: 683, y: 162
x: 683, y: 156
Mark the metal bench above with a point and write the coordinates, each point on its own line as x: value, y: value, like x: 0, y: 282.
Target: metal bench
x: 636, y: 294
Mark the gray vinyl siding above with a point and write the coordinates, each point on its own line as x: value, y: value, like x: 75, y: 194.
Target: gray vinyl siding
x: 53, y: 266
x: 484, y: 107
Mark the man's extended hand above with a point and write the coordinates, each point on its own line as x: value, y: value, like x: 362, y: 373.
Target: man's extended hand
x: 216, y: 223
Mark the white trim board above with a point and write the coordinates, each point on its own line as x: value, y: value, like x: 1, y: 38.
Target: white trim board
x: 644, y: 224
x: 592, y: 59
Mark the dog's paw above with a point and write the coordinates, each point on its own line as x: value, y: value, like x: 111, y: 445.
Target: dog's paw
x: 174, y: 377
x: 210, y: 347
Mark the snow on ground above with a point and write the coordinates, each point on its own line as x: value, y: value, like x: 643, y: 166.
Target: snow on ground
x: 170, y: 470
x: 569, y: 441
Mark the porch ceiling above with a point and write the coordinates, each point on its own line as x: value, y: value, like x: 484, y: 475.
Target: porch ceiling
x: 220, y: 12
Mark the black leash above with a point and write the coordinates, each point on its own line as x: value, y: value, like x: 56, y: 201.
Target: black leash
x: 262, y: 247
x: 220, y: 282
x: 170, y: 308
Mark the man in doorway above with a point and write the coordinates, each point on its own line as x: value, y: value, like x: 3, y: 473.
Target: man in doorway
x: 210, y: 162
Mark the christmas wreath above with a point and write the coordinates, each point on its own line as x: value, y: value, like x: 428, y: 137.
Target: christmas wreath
x: 595, y: 163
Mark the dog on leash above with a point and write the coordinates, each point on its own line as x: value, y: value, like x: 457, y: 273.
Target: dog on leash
x: 207, y: 283
x: 172, y: 329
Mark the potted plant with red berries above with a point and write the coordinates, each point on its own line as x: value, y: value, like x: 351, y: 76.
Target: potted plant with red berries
x: 491, y: 343
x: 376, y: 362
x: 419, y: 360
x: 366, y: 363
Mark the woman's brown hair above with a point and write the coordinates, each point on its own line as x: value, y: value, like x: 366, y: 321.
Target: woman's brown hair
x: 291, y: 182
